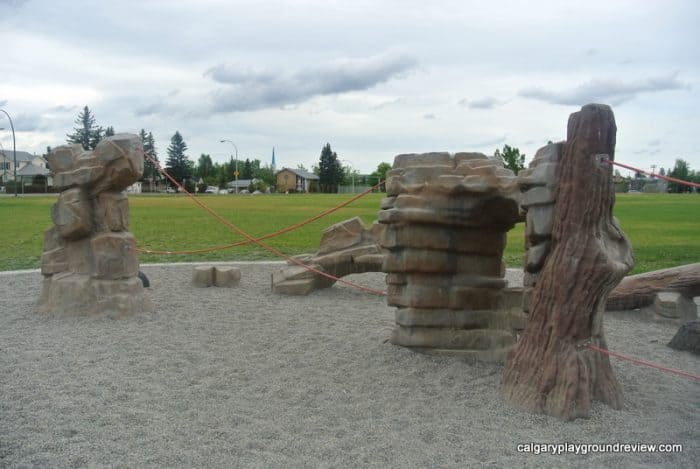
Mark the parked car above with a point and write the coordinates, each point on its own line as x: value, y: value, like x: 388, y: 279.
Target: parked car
x: 212, y: 190
x: 170, y: 190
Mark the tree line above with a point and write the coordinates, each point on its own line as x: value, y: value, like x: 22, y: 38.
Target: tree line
x: 206, y: 172
x: 681, y: 170
x: 178, y: 164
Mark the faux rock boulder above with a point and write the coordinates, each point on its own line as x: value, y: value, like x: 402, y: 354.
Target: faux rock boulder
x: 215, y: 276
x: 538, y: 184
x: 89, y: 261
x: 446, y: 219
x: 348, y: 247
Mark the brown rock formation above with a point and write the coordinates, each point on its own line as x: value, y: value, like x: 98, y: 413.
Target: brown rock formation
x: 687, y: 337
x: 348, y: 247
x: 446, y: 220
x: 89, y: 261
x: 547, y: 371
x: 538, y: 184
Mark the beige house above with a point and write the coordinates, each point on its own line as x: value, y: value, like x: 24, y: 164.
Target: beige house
x: 27, y: 165
x: 294, y: 179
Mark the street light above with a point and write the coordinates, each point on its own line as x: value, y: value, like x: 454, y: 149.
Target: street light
x: 14, y: 149
x: 235, y: 172
x: 4, y: 161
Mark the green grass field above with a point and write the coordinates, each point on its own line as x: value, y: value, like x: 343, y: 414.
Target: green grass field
x: 664, y: 228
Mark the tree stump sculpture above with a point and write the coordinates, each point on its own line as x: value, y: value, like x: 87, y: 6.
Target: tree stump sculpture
x: 549, y: 370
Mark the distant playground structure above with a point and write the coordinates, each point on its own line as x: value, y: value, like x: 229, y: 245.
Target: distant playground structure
x: 439, y: 237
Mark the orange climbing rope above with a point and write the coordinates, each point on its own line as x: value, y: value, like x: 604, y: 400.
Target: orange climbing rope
x: 269, y: 235
x: 666, y: 178
x: 643, y: 363
x: 255, y: 241
x: 258, y: 242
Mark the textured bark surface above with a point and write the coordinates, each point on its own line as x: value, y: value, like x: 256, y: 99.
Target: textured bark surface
x: 637, y: 291
x: 547, y: 372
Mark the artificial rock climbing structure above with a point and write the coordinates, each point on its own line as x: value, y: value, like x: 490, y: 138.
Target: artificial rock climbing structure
x: 89, y: 261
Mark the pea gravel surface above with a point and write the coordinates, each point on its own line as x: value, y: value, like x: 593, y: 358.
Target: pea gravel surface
x: 242, y: 377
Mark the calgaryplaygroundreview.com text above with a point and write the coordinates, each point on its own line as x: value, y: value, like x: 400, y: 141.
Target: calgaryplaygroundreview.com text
x: 588, y: 448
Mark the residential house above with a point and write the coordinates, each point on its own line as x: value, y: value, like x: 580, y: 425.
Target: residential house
x: 239, y: 185
x: 294, y: 179
x: 35, y: 165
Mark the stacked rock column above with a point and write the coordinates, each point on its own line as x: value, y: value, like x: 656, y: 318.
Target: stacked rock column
x: 446, y: 220
x: 538, y: 184
x: 89, y: 261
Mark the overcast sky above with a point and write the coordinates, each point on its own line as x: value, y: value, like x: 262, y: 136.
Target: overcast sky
x: 372, y: 78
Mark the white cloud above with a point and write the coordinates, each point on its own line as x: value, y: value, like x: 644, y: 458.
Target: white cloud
x: 487, y: 102
x: 612, y: 92
x: 251, y: 89
x: 273, y: 73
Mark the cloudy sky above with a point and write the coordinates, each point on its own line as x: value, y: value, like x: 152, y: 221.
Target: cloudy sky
x: 373, y: 78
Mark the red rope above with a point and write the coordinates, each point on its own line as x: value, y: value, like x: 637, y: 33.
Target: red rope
x: 667, y: 178
x: 644, y: 363
x: 269, y: 235
x: 253, y: 240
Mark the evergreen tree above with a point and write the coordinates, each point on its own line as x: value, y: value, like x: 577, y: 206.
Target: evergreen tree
x: 150, y: 172
x: 87, y: 133
x: 247, y: 170
x: 109, y: 131
x: 150, y: 146
x: 330, y: 171
x: 178, y: 164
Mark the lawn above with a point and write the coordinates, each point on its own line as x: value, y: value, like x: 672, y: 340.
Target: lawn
x: 664, y: 228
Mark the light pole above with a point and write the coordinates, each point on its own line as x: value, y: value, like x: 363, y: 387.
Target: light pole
x: 235, y: 172
x: 352, y: 173
x: 4, y: 162
x: 14, y: 149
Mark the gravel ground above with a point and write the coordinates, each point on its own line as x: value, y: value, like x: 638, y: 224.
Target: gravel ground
x: 242, y: 377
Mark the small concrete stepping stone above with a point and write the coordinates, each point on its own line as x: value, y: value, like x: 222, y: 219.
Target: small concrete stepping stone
x: 220, y: 276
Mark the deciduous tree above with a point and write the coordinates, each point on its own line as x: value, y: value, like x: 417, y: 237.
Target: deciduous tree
x: 511, y: 158
x: 681, y: 170
x: 380, y: 174
x: 205, y: 167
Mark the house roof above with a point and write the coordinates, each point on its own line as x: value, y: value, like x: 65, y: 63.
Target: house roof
x: 32, y: 170
x: 21, y: 155
x: 301, y: 173
x: 240, y: 183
